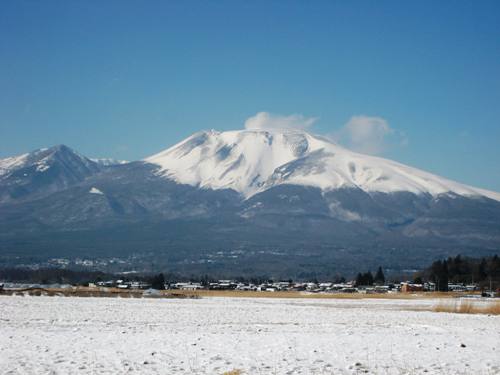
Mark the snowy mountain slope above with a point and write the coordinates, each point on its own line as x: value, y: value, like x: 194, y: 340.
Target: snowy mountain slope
x: 43, y: 172
x: 252, y: 161
x: 12, y: 163
x: 42, y: 158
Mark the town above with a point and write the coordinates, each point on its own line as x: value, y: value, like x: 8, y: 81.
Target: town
x: 311, y: 287
x: 269, y: 286
x: 459, y: 274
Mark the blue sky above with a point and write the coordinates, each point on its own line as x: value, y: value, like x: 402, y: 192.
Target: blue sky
x: 126, y: 79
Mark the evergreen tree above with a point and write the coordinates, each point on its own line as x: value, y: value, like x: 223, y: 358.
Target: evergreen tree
x: 369, y: 278
x: 418, y: 280
x: 453, y: 270
x: 482, y: 275
x: 493, y: 268
x: 205, y: 280
x: 158, y: 282
x: 465, y: 270
x: 364, y: 279
x: 443, y: 283
x: 380, y: 277
x: 439, y: 275
x: 359, y: 279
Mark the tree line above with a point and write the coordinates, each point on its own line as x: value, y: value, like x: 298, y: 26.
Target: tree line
x: 464, y: 270
x: 366, y: 279
x: 459, y: 269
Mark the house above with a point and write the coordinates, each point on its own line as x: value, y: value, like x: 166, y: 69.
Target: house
x: 430, y: 287
x: 341, y: 288
x: 282, y: 285
x: 456, y: 287
x: 140, y: 285
x: 409, y: 288
x: 299, y: 287
x: 107, y: 284
x: 188, y: 286
x: 324, y: 286
x: 471, y: 287
x: 247, y: 287
x: 381, y: 289
x: 312, y: 287
x: 223, y: 285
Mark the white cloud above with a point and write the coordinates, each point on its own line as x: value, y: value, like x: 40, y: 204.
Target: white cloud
x: 366, y: 134
x: 266, y: 120
x: 369, y: 135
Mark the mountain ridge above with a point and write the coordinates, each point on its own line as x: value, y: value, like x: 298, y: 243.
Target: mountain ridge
x: 252, y: 161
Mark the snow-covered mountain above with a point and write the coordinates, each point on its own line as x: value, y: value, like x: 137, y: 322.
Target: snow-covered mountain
x: 279, y: 202
x: 252, y: 161
x: 43, y: 158
x: 11, y: 163
x: 42, y: 172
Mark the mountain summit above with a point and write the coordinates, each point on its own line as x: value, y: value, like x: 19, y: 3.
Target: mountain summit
x: 252, y: 161
x: 43, y: 172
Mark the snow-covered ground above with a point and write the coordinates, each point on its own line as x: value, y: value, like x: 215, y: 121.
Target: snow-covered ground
x: 70, y: 335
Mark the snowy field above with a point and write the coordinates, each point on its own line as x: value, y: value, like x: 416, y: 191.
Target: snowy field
x: 71, y: 335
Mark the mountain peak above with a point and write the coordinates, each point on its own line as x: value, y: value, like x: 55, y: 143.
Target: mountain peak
x: 43, y: 172
x: 61, y: 147
x: 253, y: 160
x: 242, y: 160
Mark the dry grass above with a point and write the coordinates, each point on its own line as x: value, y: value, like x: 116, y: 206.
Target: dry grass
x: 296, y: 294
x: 233, y: 372
x: 469, y: 307
x: 130, y: 293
